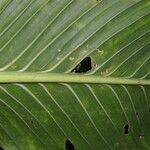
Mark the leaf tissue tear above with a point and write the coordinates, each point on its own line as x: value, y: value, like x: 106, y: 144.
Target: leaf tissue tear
x: 126, y: 129
x: 69, y: 145
x: 84, y: 66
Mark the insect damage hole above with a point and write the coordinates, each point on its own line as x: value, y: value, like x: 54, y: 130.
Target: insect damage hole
x: 84, y: 66
x: 69, y: 145
x: 1, y: 148
x: 137, y: 113
x: 126, y: 129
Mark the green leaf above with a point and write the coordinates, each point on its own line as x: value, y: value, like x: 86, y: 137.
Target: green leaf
x: 74, y: 74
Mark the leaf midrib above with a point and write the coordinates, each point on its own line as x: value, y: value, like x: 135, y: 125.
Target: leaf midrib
x: 27, y: 77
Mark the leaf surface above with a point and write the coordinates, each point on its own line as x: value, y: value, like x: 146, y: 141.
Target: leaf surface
x: 74, y: 71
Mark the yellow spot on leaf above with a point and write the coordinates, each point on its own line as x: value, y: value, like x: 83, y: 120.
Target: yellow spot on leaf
x: 71, y: 58
x: 100, y: 51
x: 59, y: 50
x: 80, y: 25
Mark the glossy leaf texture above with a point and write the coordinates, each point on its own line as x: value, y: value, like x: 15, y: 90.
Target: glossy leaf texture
x: 91, y: 37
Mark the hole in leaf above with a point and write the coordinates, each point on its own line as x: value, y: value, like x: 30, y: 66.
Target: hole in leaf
x: 1, y: 148
x: 95, y: 65
x: 69, y: 145
x: 84, y: 66
x: 126, y: 129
